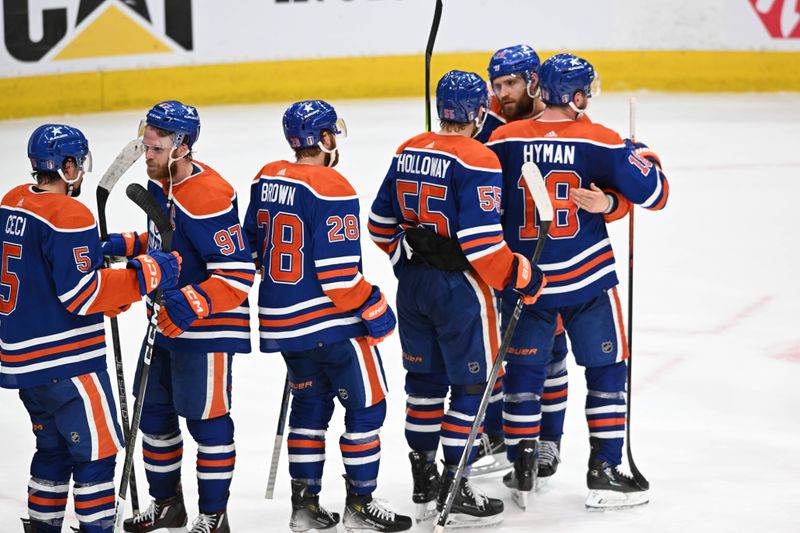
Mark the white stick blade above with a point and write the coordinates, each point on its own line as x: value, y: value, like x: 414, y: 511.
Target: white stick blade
x: 535, y: 182
x: 124, y: 160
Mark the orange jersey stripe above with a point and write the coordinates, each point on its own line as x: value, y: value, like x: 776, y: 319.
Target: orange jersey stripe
x: 163, y: 456
x: 300, y: 318
x: 491, y: 318
x: 297, y: 443
x: 380, y: 231
x: 551, y: 278
x: 493, y: 239
x: 352, y: 298
x: 105, y: 442
x: 520, y: 431
x: 49, y: 351
x: 425, y: 414
x: 624, y: 338
x: 241, y: 275
x: 38, y: 500
x: 447, y: 426
x: 352, y: 271
x: 554, y: 395
x: 372, y: 372
x: 218, y: 391
x: 216, y: 462
x: 242, y: 322
x: 664, y: 194
x: 605, y: 422
x: 83, y: 296
x: 94, y: 503
x: 360, y: 447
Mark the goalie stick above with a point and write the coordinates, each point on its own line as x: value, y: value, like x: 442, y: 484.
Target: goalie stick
x: 156, y: 213
x: 637, y: 475
x: 541, y: 199
x: 124, y: 160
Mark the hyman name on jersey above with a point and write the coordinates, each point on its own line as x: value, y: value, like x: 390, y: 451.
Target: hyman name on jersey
x: 549, y: 153
x: 422, y: 164
x: 278, y: 193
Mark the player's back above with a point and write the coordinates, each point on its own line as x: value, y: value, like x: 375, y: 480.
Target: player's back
x: 50, y: 251
x: 303, y: 221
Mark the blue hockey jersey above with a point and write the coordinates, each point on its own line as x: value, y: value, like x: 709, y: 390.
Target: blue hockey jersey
x: 452, y: 185
x: 303, y: 226
x: 216, y: 256
x: 577, y: 258
x: 52, y: 289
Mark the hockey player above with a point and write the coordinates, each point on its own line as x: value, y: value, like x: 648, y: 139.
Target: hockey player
x: 52, y: 300
x: 443, y: 190
x: 574, y: 156
x: 201, y: 323
x: 513, y: 74
x: 316, y: 308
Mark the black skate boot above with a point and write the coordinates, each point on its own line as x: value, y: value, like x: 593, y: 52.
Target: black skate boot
x: 362, y: 513
x: 522, y: 479
x: 608, y: 487
x: 307, y: 515
x: 470, y: 508
x: 161, y: 514
x: 29, y: 525
x: 549, y: 455
x: 491, y: 455
x: 211, y: 523
x: 426, y: 486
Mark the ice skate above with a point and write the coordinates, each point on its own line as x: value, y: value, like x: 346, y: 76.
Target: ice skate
x: 491, y: 456
x: 549, y: 456
x: 363, y: 513
x: 470, y: 507
x: 307, y: 515
x: 168, y: 515
x: 522, y: 479
x: 426, y: 486
x: 610, y: 489
x: 211, y: 523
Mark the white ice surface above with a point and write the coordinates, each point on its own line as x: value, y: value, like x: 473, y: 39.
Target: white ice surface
x: 716, y: 340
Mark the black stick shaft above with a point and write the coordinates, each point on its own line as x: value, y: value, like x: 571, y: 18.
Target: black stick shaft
x: 437, y: 16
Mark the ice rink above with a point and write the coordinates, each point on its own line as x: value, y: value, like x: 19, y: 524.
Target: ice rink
x: 717, y: 319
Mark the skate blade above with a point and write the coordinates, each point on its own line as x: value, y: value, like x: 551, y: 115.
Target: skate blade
x: 424, y: 512
x: 331, y: 529
x: 491, y: 464
x: 609, y: 500
x: 465, y: 521
x: 520, y: 497
x: 540, y: 483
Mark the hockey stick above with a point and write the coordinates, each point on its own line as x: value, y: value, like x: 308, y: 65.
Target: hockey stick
x: 276, y: 448
x: 124, y: 160
x: 156, y: 213
x: 541, y: 199
x: 437, y: 16
x: 637, y: 475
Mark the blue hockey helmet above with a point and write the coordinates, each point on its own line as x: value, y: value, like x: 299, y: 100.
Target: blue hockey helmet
x: 304, y: 122
x: 517, y: 59
x: 563, y: 75
x: 460, y: 96
x: 176, y: 117
x: 52, y: 144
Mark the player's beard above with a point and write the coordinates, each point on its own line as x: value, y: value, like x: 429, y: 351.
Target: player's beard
x: 520, y: 109
x: 159, y: 172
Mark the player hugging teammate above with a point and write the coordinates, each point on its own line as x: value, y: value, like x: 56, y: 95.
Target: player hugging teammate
x: 459, y: 226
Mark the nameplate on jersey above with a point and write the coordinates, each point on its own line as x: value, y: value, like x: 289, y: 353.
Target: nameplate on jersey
x: 15, y: 225
x: 549, y: 153
x: 426, y: 165
x: 278, y: 193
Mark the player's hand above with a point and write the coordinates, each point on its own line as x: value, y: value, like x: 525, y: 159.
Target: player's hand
x: 156, y: 270
x: 592, y: 200
x: 377, y: 316
x: 528, y: 280
x: 125, y: 244
x: 179, y: 308
x: 643, y: 151
x: 112, y: 313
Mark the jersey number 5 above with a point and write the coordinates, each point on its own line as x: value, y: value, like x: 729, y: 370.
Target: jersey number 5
x: 8, y: 279
x: 282, y: 247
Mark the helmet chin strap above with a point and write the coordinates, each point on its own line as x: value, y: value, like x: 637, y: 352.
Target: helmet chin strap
x: 536, y: 93
x: 70, y: 183
x: 333, y: 153
x: 579, y: 111
x: 480, y: 120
